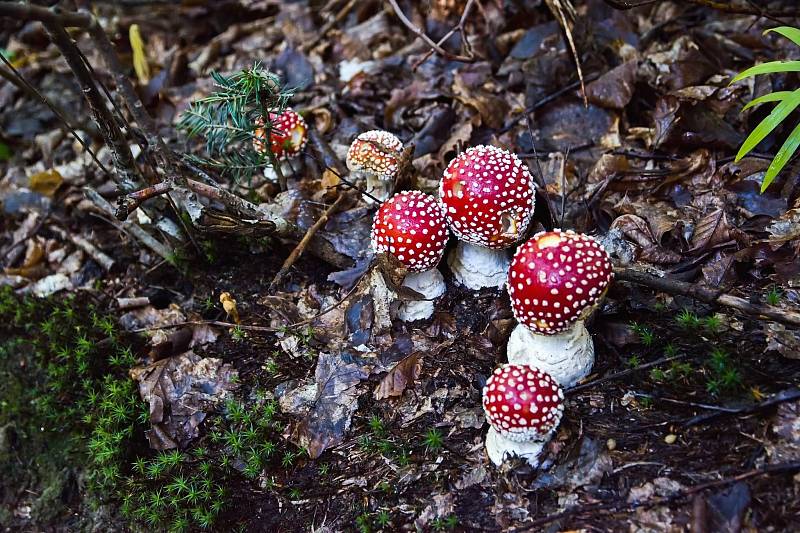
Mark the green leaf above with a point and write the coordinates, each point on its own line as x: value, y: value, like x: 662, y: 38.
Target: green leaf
x: 793, y: 34
x: 777, y: 96
x: 780, y: 112
x: 782, y: 157
x: 768, y: 68
x: 5, y: 152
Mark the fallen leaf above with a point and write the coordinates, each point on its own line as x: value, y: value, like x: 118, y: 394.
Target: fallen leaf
x: 336, y: 376
x: 614, y: 89
x: 402, y: 375
x: 46, y: 182
x: 181, y: 390
x: 714, y: 230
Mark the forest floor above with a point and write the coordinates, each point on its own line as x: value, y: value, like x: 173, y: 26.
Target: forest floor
x: 131, y: 400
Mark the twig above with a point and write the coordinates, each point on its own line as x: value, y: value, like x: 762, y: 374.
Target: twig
x: 18, y: 80
x: 780, y: 468
x: 323, y: 31
x: 422, y: 35
x: 564, y: 12
x: 741, y: 10
x: 784, y: 396
x: 127, y: 177
x: 709, y: 296
x: 624, y: 373
x: 457, y: 28
x: 304, y: 242
x: 55, y: 15
x: 546, y: 100
x: 134, y: 229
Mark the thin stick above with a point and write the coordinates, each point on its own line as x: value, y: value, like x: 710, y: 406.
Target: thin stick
x: 780, y: 468
x: 624, y: 373
x: 328, y: 26
x: 458, y: 27
x: 709, y: 296
x: 422, y: 35
x: 18, y: 80
x: 304, y: 242
x: 546, y: 100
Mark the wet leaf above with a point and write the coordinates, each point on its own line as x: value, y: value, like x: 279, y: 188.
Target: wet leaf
x: 713, y: 230
x: 614, y: 89
x: 401, y: 376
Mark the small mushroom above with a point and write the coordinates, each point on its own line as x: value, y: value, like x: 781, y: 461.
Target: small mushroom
x: 376, y: 155
x: 287, y: 134
x: 411, y: 227
x: 555, y: 281
x: 488, y: 195
x: 523, y: 406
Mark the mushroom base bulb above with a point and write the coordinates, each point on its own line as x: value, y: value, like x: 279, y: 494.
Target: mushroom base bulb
x: 476, y: 267
x: 431, y: 285
x: 568, y: 356
x: 500, y: 448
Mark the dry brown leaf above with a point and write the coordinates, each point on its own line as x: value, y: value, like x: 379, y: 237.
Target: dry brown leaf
x: 713, y: 230
x: 637, y: 230
x: 402, y: 375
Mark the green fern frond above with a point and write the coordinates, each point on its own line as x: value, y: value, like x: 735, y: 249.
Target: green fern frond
x: 770, y: 122
x: 777, y: 96
x: 772, y: 67
x: 793, y: 34
x: 782, y: 157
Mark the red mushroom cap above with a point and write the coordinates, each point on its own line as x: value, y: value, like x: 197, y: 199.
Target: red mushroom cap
x: 557, y: 278
x: 287, y: 135
x: 489, y: 196
x: 522, y: 403
x: 411, y: 227
x: 375, y: 151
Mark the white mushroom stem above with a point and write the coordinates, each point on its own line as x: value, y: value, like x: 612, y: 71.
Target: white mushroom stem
x: 476, y: 267
x: 271, y: 175
x: 567, y: 356
x: 431, y: 285
x: 379, y: 187
x: 500, y: 448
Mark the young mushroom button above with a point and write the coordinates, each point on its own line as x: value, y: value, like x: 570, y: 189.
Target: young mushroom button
x: 523, y: 406
x: 489, y: 196
x: 410, y: 226
x: 376, y: 155
x: 287, y: 134
x: 555, y: 281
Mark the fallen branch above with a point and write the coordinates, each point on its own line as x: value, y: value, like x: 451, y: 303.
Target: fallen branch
x: 709, y: 296
x: 130, y: 227
x: 304, y: 242
x: 422, y: 35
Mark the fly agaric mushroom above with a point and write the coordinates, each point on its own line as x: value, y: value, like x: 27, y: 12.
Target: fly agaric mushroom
x: 376, y: 155
x: 411, y: 227
x: 523, y: 406
x: 287, y: 134
x: 488, y: 195
x: 555, y: 281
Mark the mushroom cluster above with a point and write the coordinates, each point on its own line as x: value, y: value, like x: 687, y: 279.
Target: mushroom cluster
x: 488, y: 195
